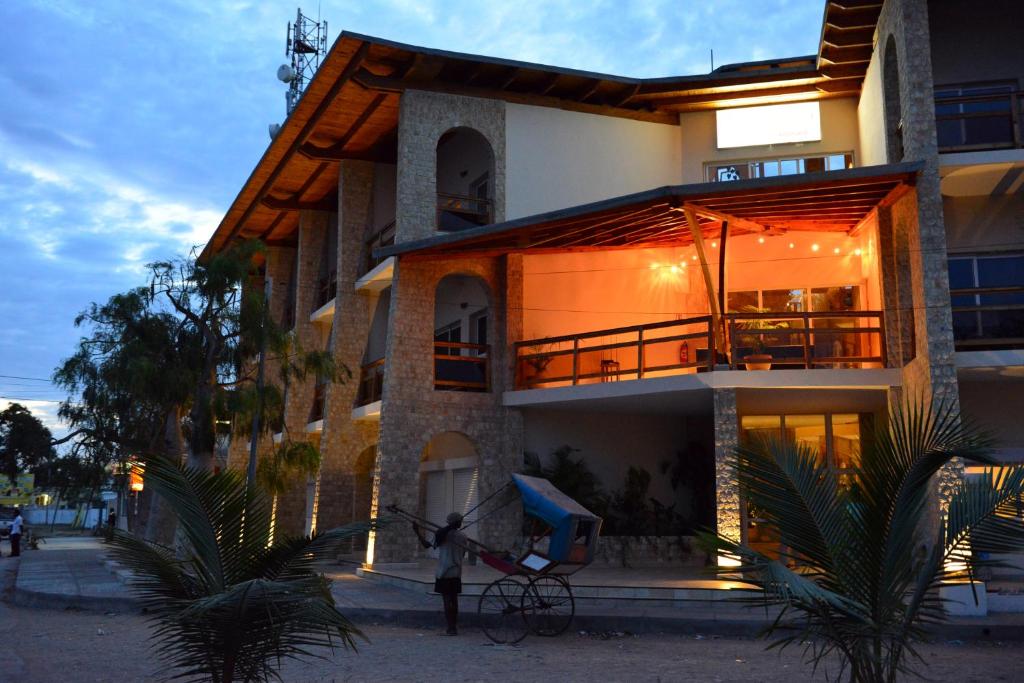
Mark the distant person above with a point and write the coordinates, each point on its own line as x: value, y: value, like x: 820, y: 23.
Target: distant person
x: 451, y: 545
x: 111, y: 525
x: 16, y: 534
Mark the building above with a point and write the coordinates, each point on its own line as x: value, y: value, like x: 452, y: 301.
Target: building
x: 513, y: 257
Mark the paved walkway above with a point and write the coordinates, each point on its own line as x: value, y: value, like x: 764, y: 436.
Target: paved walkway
x: 74, y: 573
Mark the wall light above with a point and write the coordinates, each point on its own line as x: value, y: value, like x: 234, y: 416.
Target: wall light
x: 760, y: 240
x: 693, y: 258
x: 815, y: 247
x: 714, y: 245
x: 856, y: 252
x: 791, y: 245
x: 836, y: 250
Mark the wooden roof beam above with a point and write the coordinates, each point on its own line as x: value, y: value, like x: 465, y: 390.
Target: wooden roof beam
x: 733, y: 221
x: 337, y: 150
x: 328, y: 203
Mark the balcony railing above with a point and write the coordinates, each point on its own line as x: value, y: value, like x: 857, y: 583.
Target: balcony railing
x: 384, y: 237
x: 973, y: 118
x: 608, y: 355
x: 994, y: 321
x: 326, y: 290
x: 371, y: 383
x: 457, y: 212
x: 316, y: 412
x: 846, y: 339
x: 459, y: 366
x: 827, y: 339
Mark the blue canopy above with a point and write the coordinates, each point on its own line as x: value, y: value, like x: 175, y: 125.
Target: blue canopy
x: 545, y: 502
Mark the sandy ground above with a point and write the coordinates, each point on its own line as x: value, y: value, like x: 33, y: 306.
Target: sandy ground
x: 73, y: 646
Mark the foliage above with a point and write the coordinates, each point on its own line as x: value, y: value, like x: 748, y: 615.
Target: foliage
x: 24, y: 441
x: 234, y: 604
x: 569, y: 475
x: 759, y: 342
x: 859, y: 574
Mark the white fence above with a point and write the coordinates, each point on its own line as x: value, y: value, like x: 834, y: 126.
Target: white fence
x: 45, y: 515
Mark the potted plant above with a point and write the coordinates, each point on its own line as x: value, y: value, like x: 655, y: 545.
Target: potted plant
x: 537, y: 359
x: 760, y: 359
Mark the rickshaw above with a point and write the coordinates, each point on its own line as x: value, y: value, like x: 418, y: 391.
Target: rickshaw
x: 534, y: 595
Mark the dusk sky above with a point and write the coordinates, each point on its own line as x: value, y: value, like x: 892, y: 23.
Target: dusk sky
x: 127, y: 128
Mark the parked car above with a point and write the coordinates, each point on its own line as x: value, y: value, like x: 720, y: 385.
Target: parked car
x: 7, y: 516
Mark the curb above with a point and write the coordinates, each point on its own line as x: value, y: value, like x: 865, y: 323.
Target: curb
x: 90, y: 603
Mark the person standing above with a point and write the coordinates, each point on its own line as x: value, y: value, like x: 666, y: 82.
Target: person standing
x: 111, y: 525
x: 16, y: 534
x: 451, y: 545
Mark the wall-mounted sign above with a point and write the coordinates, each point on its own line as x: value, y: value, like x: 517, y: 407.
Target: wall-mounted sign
x: 769, y: 125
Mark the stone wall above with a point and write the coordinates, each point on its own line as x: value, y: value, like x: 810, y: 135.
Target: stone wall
x: 343, y: 439
x: 917, y: 218
x: 727, y: 438
x: 413, y: 412
x: 423, y: 118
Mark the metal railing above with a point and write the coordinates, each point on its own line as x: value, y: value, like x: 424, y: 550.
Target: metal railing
x: 978, y: 122
x: 458, y: 212
x: 608, y: 355
x: 371, y: 383
x: 459, y: 366
x: 385, y: 237
x: 826, y: 339
x: 994, y: 325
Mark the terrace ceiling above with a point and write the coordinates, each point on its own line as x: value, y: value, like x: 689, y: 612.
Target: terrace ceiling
x: 350, y: 108
x: 836, y: 201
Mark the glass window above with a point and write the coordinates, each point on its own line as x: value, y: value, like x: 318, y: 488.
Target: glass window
x: 815, y: 165
x: 783, y: 300
x: 770, y: 168
x: 989, y: 316
x: 731, y: 172
x: 807, y: 432
x: 791, y: 166
x: 755, y: 428
x: 742, y: 302
x: 449, y: 333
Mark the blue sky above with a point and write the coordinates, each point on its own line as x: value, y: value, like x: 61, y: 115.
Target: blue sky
x: 127, y: 128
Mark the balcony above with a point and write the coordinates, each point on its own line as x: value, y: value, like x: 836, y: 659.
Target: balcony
x: 457, y: 212
x: 802, y: 340
x: 371, y: 383
x: 460, y: 366
x: 316, y: 412
x: 384, y: 237
x: 978, y: 117
x: 988, y: 318
x: 326, y: 290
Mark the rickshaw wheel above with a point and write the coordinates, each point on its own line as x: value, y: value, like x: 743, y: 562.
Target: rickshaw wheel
x: 501, y: 611
x: 548, y: 605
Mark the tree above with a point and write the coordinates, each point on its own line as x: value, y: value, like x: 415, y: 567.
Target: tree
x: 24, y: 441
x: 861, y: 565
x: 238, y: 603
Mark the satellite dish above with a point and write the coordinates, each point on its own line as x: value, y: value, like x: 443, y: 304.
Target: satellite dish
x: 285, y: 73
x: 274, y: 129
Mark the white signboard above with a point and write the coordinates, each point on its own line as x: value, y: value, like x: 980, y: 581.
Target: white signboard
x: 769, y: 125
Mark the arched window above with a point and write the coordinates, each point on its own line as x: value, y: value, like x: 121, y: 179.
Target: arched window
x: 891, y: 99
x: 449, y: 476
x: 461, y: 334
x: 465, y: 180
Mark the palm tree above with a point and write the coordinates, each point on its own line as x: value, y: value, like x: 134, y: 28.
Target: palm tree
x: 859, y: 575
x: 230, y: 604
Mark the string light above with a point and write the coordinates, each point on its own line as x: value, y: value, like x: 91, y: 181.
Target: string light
x: 836, y: 250
x: 815, y: 247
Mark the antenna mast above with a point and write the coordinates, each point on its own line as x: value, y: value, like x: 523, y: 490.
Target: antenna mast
x: 306, y: 43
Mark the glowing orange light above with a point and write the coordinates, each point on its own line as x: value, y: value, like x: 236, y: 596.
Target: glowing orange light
x: 856, y: 252
x: 760, y: 240
x: 674, y: 269
x: 815, y: 247
x: 693, y: 258
x: 655, y: 266
x: 791, y: 245
x: 714, y: 245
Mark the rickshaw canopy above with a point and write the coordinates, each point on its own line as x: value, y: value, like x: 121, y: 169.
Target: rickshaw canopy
x: 545, y: 502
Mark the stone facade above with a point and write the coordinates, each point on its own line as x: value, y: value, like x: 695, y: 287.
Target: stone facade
x: 728, y: 516
x: 423, y: 118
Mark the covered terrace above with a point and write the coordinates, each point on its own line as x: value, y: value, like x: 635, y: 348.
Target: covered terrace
x: 685, y: 279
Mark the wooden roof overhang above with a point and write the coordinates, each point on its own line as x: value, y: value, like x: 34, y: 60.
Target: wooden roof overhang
x: 350, y: 107
x: 834, y: 201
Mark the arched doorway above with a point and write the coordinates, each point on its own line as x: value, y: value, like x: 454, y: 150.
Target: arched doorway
x: 449, y: 478
x: 461, y: 334
x: 465, y: 180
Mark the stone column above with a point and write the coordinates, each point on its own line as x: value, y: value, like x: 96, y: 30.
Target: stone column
x: 344, y: 439
x: 728, y: 520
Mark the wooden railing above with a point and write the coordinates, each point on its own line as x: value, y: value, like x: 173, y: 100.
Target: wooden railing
x: 828, y: 339
x: 997, y: 324
x: 371, y: 383
x: 457, y: 212
x: 326, y: 290
x: 607, y: 355
x: 459, y: 366
x: 384, y: 237
x: 987, y: 121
